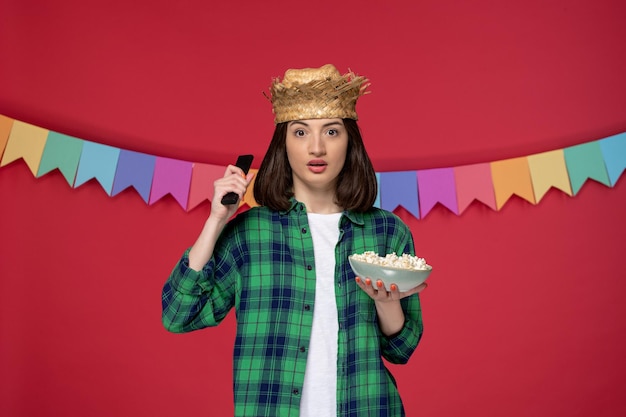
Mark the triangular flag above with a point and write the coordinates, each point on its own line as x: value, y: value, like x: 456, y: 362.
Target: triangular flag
x: 399, y: 189
x: 436, y: 186
x: 511, y: 176
x: 62, y: 152
x: 171, y: 176
x: 202, y: 178
x: 25, y: 141
x: 614, y: 152
x: 547, y: 170
x: 248, y: 197
x: 135, y: 170
x: 97, y: 161
x: 473, y: 182
x: 6, y: 123
x: 583, y: 162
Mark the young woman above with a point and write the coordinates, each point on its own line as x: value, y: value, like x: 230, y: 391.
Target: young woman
x: 310, y: 335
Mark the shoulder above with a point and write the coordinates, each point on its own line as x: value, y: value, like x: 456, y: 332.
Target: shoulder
x: 251, y: 217
x: 381, y: 231
x: 381, y: 221
x: 379, y: 216
x: 248, y: 226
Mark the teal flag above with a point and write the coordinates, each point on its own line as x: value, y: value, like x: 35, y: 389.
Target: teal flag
x: 585, y: 162
x: 62, y: 152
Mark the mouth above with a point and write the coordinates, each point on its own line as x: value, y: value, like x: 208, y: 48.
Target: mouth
x: 317, y: 165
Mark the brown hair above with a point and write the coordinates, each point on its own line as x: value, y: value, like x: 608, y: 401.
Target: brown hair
x: 356, y: 186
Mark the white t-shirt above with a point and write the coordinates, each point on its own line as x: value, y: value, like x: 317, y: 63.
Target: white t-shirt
x: 319, y: 393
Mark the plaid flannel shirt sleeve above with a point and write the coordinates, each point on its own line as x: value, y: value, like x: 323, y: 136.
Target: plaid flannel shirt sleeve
x: 193, y: 300
x: 398, y: 348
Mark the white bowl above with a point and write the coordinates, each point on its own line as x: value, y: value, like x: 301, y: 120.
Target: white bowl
x: 405, y: 279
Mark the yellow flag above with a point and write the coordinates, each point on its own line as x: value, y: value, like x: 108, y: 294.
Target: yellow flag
x: 547, y: 170
x: 25, y: 141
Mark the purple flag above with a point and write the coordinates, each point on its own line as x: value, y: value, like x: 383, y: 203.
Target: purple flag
x: 134, y: 169
x: 399, y: 189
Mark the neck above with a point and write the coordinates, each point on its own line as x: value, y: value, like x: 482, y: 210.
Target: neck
x: 320, y: 203
x: 322, y: 209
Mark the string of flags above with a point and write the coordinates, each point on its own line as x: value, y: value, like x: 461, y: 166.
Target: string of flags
x: 191, y: 183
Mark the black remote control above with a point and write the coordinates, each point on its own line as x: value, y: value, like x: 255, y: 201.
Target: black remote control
x: 244, y: 162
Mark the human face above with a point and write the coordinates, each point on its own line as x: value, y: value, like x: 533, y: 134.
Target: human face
x: 316, y: 150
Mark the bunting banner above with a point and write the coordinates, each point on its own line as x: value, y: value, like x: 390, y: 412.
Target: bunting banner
x: 153, y: 177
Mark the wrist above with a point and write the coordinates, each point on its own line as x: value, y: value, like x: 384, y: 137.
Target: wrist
x: 390, y: 317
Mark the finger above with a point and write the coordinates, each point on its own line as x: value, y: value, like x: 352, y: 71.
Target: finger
x: 394, y: 292
x: 234, y: 170
x: 232, y: 182
x: 368, y: 288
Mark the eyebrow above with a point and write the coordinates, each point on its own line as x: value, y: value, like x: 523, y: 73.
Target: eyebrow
x: 307, y: 125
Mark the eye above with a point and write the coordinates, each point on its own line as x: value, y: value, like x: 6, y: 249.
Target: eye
x: 299, y: 133
x: 332, y: 132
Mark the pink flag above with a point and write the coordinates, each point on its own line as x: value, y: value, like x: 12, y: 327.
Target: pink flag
x: 473, y: 182
x: 171, y: 176
x: 436, y: 186
x: 202, y: 178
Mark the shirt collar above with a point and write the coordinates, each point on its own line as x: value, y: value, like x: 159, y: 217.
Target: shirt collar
x: 295, y: 205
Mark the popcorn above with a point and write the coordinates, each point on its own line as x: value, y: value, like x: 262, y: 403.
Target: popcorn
x: 405, y: 261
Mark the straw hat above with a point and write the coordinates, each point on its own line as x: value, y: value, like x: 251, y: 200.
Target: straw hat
x: 316, y: 93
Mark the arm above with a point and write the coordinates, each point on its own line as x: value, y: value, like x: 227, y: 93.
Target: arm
x: 399, y: 319
x: 399, y: 313
x: 388, y: 307
x: 202, y: 250
x: 195, y: 295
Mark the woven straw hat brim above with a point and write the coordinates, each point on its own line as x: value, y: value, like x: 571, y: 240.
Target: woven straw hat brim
x: 326, y: 98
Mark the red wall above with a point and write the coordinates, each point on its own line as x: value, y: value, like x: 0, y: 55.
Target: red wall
x: 524, y: 313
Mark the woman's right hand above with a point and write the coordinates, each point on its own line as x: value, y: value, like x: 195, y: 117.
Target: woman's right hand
x: 234, y: 180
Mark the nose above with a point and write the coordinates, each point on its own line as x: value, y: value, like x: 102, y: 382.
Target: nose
x: 316, y: 145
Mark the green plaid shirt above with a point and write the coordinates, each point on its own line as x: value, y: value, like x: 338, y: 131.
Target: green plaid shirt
x: 263, y: 266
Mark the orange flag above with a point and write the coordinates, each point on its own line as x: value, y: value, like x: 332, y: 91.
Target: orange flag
x: 511, y: 176
x: 5, y: 129
x: 248, y: 197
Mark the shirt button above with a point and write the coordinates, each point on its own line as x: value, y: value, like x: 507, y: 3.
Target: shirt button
x: 304, y: 230
x: 296, y: 391
x: 302, y: 349
x: 307, y: 307
x: 309, y: 267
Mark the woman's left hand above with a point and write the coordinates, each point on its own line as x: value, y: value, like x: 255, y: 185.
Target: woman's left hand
x: 376, y: 290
